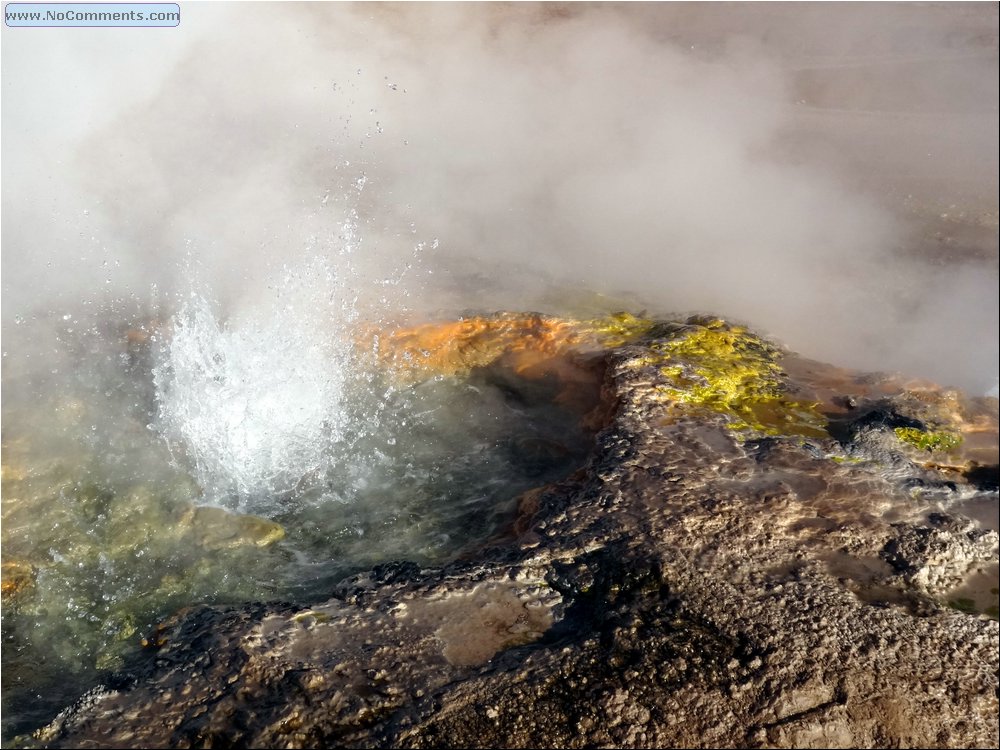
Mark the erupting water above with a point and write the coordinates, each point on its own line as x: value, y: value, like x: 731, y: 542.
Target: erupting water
x: 276, y: 411
x: 255, y: 404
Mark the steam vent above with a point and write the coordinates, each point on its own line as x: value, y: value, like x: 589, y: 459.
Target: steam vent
x: 722, y: 544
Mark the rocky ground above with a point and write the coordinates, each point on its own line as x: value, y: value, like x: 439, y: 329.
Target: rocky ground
x: 761, y: 551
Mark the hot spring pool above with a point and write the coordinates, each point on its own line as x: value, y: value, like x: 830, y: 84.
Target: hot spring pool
x: 153, y: 464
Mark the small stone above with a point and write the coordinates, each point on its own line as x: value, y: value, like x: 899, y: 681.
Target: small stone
x: 216, y: 528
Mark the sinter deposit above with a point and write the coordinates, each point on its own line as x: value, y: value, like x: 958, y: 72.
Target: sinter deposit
x: 759, y: 550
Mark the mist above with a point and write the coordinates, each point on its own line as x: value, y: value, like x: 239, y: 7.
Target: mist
x: 825, y: 173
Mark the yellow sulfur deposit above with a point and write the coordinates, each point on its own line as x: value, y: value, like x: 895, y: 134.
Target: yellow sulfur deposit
x: 928, y: 441
x: 729, y: 370
x: 708, y: 363
x: 617, y: 329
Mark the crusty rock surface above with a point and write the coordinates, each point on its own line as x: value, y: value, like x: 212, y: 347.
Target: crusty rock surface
x: 689, y: 587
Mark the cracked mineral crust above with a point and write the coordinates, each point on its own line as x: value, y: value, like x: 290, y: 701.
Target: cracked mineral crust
x: 771, y: 572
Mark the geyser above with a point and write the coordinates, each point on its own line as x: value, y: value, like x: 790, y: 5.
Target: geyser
x: 256, y: 404
x: 324, y: 460
x: 826, y: 173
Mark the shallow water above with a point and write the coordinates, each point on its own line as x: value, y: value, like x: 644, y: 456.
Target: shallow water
x: 149, y: 466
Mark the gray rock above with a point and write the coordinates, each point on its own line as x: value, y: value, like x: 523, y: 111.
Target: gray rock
x: 687, y: 589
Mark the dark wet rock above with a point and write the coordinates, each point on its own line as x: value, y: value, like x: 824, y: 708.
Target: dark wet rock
x: 534, y: 455
x: 877, y: 416
x: 693, y: 586
x: 986, y: 478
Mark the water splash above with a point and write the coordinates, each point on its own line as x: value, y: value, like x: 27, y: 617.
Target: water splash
x: 255, y: 402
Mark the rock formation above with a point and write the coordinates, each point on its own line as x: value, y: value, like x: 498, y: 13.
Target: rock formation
x: 761, y: 551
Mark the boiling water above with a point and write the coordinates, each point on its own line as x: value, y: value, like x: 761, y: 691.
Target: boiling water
x: 152, y: 462
x: 259, y: 404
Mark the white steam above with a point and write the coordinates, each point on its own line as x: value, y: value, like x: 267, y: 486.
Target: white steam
x: 824, y: 172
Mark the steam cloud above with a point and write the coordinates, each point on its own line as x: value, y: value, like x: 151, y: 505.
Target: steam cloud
x: 827, y: 173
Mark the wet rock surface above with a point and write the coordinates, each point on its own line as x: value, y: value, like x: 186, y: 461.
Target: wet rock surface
x: 698, y: 583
